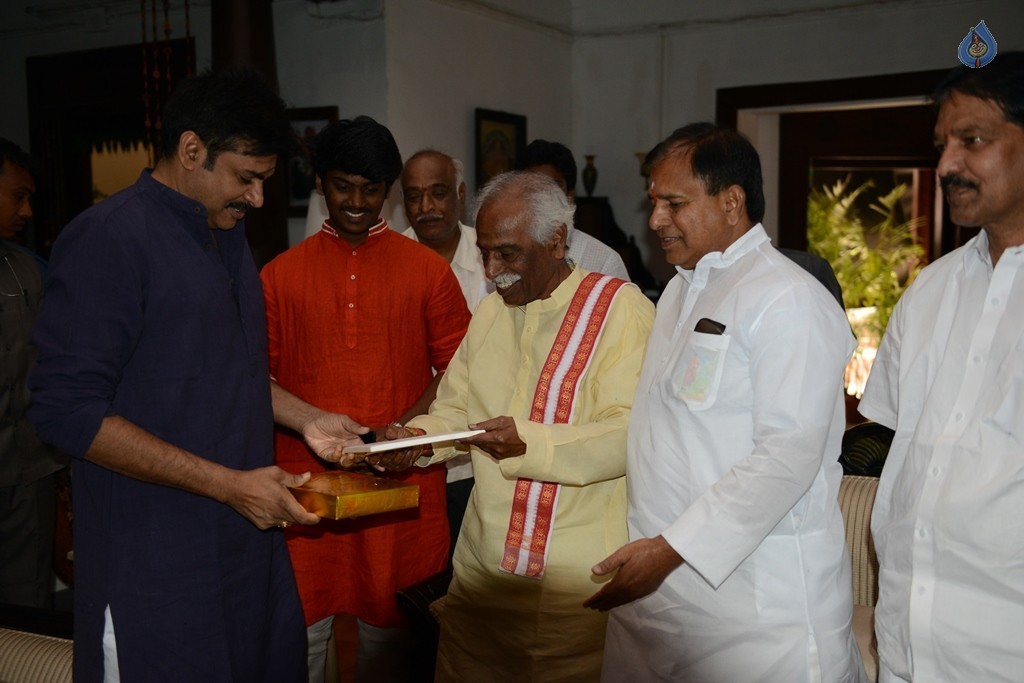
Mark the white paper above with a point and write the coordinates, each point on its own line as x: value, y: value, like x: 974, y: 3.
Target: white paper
x: 411, y: 441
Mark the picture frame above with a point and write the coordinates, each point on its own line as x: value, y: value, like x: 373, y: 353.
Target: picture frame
x: 500, y: 139
x: 306, y: 123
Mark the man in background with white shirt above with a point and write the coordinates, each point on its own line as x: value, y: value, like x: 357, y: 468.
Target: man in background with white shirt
x: 949, y: 378
x: 434, y: 196
x: 555, y: 160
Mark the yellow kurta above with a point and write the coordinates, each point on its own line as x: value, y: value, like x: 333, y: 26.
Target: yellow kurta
x: 498, y: 626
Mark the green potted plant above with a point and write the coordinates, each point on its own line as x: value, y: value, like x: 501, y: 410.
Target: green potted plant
x: 874, y: 260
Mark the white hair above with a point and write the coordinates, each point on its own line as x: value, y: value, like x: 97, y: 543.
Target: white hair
x: 547, y: 207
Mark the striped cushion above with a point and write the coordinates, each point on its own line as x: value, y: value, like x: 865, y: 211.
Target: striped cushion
x: 33, y: 658
x: 856, y: 497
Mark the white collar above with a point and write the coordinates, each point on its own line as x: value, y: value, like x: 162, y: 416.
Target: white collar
x: 747, y: 242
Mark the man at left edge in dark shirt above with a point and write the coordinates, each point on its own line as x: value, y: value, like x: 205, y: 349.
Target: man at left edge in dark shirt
x: 28, y: 467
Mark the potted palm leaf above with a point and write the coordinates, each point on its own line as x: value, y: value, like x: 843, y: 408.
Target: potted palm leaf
x: 875, y: 258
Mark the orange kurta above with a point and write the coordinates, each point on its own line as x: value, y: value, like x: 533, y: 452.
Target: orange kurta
x: 359, y: 330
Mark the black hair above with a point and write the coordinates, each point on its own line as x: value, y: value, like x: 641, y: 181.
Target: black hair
x: 11, y: 153
x: 719, y: 157
x: 543, y: 152
x: 231, y: 111
x: 1001, y: 81
x: 359, y: 146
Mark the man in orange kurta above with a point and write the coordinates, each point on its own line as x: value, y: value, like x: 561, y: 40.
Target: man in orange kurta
x: 359, y: 318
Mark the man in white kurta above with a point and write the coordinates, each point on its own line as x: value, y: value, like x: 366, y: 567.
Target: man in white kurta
x: 948, y: 520
x: 555, y: 160
x: 467, y: 266
x: 733, y: 440
x: 434, y: 196
x: 500, y: 625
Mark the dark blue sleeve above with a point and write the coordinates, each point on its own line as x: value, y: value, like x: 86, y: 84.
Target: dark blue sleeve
x: 86, y: 330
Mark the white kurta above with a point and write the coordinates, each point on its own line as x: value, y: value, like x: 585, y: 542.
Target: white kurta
x: 733, y: 447
x: 468, y: 266
x: 948, y: 521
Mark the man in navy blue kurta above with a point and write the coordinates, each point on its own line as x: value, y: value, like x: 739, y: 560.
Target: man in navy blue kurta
x: 153, y: 374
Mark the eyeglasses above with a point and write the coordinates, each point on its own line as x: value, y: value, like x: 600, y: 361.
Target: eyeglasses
x: 23, y: 292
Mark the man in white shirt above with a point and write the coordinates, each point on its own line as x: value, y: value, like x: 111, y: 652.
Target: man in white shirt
x: 949, y: 379
x: 737, y: 568
x: 556, y: 161
x: 434, y: 195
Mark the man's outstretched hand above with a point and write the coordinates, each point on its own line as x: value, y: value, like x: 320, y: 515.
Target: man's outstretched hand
x: 642, y: 566
x: 500, y: 440
x: 328, y: 433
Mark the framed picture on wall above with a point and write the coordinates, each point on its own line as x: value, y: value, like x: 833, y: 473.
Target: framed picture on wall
x: 500, y: 142
x: 306, y: 123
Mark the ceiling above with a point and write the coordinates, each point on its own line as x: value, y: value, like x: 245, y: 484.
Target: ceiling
x: 589, y: 18
x: 577, y: 18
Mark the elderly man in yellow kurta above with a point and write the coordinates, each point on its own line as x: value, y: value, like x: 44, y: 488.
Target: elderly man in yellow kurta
x: 548, y: 368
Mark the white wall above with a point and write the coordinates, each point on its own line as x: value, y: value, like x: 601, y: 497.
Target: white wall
x: 445, y: 60
x: 329, y: 57
x: 630, y: 92
x: 422, y: 70
x: 325, y: 59
x: 618, y: 96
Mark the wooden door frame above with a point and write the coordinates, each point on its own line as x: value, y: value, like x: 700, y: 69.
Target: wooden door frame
x: 794, y: 179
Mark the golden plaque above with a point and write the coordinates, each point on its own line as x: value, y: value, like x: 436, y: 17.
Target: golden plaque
x: 338, y: 494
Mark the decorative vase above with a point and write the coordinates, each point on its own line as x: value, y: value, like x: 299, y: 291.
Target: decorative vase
x: 589, y: 174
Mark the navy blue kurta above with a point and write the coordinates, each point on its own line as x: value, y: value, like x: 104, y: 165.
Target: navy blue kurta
x: 147, y: 317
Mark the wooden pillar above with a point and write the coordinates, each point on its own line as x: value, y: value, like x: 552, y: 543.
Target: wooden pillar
x: 243, y: 36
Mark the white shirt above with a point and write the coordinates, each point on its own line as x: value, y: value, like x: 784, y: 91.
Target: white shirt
x: 948, y: 521
x: 590, y: 253
x: 733, y: 448
x: 467, y: 265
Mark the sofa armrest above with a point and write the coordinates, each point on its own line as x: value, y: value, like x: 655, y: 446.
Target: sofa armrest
x: 27, y: 657
x: 856, y: 498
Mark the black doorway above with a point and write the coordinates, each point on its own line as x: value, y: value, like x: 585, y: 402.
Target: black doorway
x: 79, y: 100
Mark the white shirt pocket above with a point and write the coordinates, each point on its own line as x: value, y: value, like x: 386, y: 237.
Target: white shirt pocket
x: 698, y: 370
